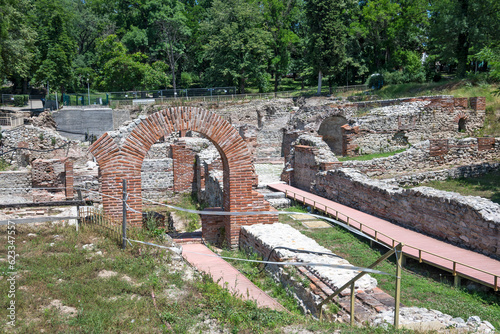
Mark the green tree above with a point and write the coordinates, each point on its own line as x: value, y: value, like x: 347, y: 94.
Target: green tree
x: 237, y: 46
x: 168, y: 19
x: 119, y: 70
x: 17, y: 41
x: 195, y: 12
x: 328, y: 22
x: 387, y: 32
x: 460, y: 28
x: 279, y: 16
x: 56, y: 49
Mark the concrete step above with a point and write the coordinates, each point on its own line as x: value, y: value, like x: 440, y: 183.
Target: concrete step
x: 276, y: 198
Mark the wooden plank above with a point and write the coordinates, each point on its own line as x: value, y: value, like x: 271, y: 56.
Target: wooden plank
x: 410, y: 238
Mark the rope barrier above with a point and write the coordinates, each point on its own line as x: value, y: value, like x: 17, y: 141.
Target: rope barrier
x: 297, y: 264
x: 247, y: 213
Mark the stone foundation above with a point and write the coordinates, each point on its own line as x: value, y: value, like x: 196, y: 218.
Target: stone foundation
x: 467, y: 221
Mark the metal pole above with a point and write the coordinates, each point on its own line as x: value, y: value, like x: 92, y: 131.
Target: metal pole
x: 124, y: 224
x: 88, y: 90
x: 352, y: 304
x: 79, y: 192
x: 397, y: 294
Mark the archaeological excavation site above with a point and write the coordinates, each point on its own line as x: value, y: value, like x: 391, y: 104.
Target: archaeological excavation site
x: 192, y: 189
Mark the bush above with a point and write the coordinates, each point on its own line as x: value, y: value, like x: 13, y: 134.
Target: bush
x: 375, y: 81
x: 264, y: 83
x: 186, y: 79
x: 20, y: 100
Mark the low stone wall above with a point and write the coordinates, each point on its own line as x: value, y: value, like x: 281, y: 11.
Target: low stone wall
x: 431, y: 154
x: 15, y: 187
x: 467, y: 221
x: 445, y: 174
x: 157, y: 178
x: 263, y: 238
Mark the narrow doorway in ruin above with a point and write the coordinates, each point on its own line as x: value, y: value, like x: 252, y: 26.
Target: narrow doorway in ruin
x: 461, y: 125
x: 331, y: 131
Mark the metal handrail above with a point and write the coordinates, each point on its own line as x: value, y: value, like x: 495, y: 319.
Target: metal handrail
x: 394, y: 241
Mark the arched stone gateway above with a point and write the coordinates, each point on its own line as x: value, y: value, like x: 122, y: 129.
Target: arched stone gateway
x: 120, y: 157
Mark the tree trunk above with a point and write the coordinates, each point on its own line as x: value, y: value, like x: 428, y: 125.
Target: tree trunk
x: 462, y: 54
x: 463, y: 42
x: 242, y: 86
x: 320, y: 79
x: 173, y: 79
x: 276, y: 79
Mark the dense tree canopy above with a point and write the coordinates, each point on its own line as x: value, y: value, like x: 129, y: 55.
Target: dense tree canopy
x: 157, y: 44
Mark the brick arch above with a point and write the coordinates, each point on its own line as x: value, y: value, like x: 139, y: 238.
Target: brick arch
x: 122, y: 158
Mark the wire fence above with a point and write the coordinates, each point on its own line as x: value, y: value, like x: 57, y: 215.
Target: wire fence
x: 165, y: 96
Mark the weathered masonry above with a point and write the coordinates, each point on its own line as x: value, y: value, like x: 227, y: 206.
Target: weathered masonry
x: 120, y: 155
x: 388, y: 125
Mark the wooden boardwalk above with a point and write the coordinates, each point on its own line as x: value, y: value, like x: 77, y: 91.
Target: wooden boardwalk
x: 227, y: 276
x: 459, y: 261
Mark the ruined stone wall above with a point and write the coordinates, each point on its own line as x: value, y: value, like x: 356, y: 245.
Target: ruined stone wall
x: 392, y: 127
x: 40, y: 143
x: 269, y: 118
x: 431, y: 154
x: 389, y: 125
x: 471, y: 222
x: 15, y: 187
x: 157, y: 178
x: 209, y: 177
x: 445, y: 174
x: 309, y: 155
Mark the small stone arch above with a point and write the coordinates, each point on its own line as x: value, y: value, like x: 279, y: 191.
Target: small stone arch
x: 120, y: 157
x: 331, y: 130
x: 461, y: 120
x: 461, y: 125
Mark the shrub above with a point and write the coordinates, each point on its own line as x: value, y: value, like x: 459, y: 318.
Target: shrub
x: 20, y: 100
x: 264, y: 83
x: 375, y: 81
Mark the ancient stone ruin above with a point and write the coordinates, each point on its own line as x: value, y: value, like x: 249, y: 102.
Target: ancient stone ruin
x: 217, y: 155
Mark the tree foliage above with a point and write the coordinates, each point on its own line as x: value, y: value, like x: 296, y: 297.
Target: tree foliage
x: 328, y: 21
x: 237, y: 44
x: 463, y: 27
x: 156, y: 44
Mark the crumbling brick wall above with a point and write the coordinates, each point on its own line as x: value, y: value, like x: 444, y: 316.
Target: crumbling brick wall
x: 53, y: 178
x: 184, y: 160
x: 389, y: 125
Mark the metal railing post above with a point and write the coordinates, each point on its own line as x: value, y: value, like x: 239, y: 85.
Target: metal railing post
x: 397, y: 293
x: 124, y: 220
x: 352, y: 303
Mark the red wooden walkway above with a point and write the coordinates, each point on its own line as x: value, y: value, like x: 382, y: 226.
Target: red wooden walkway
x: 227, y: 276
x: 460, y: 262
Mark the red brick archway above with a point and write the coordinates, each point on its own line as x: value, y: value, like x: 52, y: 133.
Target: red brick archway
x: 121, y: 158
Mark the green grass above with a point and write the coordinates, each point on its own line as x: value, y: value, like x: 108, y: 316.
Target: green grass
x: 189, y: 201
x: 365, y: 157
x: 4, y: 165
x: 124, y: 302
x: 487, y: 186
x: 421, y: 286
